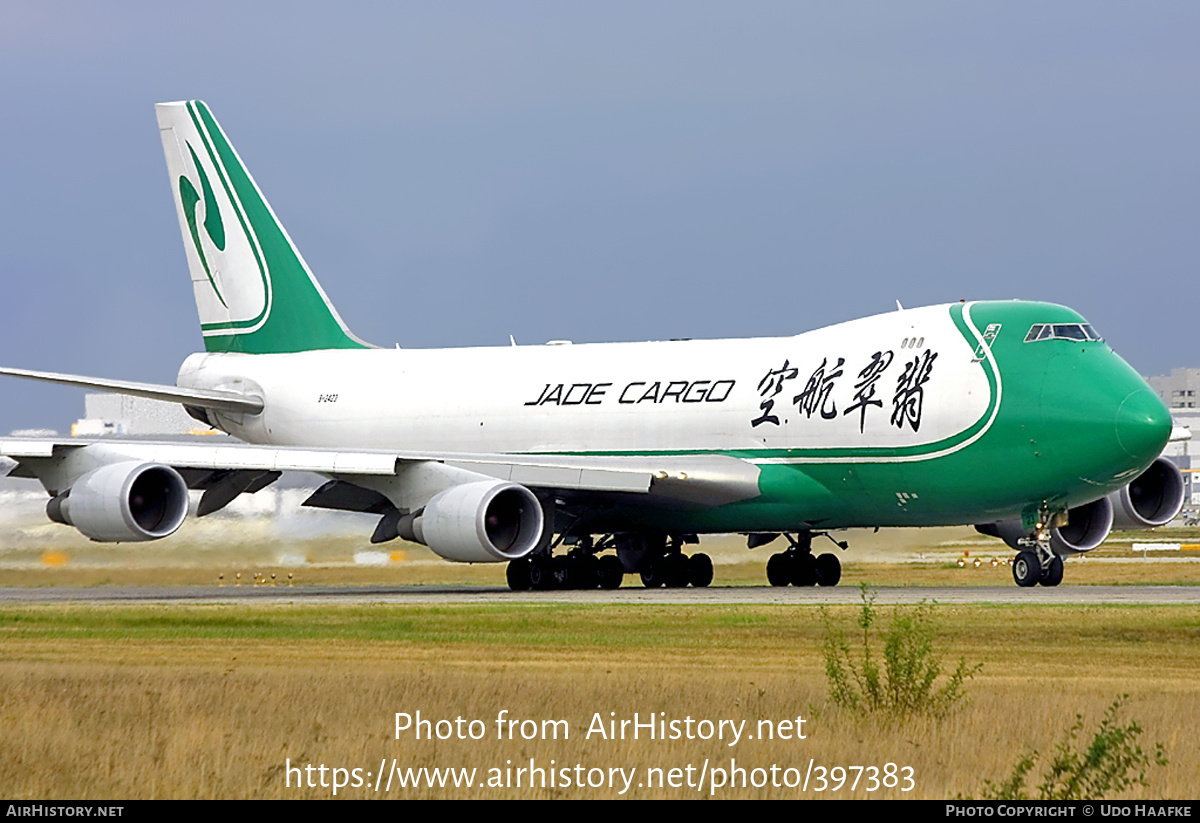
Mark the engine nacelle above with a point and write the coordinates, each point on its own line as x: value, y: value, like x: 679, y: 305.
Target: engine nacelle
x: 1085, y: 529
x: 123, y: 502
x: 1153, y: 499
x: 482, y: 522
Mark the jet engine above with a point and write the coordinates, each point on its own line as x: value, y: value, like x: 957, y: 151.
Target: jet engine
x: 1153, y: 499
x: 121, y: 502
x: 481, y: 522
x: 1085, y: 529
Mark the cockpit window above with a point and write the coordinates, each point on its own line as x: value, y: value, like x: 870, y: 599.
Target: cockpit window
x: 1062, y: 331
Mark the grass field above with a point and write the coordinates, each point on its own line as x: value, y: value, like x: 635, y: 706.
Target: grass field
x: 120, y: 702
x: 182, y: 701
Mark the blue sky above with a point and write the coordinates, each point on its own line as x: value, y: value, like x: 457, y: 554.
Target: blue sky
x: 458, y: 172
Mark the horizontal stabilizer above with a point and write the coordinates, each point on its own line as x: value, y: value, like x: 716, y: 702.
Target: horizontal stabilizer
x: 206, y: 399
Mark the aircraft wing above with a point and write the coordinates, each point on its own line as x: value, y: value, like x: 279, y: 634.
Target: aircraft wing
x: 684, y: 479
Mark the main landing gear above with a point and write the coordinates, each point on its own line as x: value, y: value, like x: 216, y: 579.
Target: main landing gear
x: 657, y: 558
x: 578, y: 569
x: 798, y: 567
x: 665, y: 564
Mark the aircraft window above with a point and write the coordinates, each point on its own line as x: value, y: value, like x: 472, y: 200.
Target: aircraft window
x: 1069, y: 331
x: 1061, y: 331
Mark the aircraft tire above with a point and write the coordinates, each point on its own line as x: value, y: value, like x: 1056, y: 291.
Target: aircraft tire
x: 1026, y: 569
x: 610, y: 572
x: 677, y: 571
x: 585, y: 572
x: 1054, y: 572
x: 517, y: 575
x: 654, y: 573
x: 564, y: 572
x: 804, y: 570
x: 778, y: 573
x: 700, y: 570
x: 541, y: 578
x: 829, y: 570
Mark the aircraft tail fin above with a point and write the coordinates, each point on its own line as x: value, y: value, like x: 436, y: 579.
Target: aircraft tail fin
x: 254, y: 292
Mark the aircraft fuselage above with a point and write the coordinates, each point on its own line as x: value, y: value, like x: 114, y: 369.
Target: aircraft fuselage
x: 928, y: 416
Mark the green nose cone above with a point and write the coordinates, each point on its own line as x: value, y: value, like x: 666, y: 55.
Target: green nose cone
x: 1143, y: 425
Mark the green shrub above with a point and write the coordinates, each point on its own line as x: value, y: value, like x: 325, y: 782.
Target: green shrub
x: 1111, y: 763
x: 905, y: 681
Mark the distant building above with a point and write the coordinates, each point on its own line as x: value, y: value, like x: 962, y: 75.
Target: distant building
x: 1180, y: 392
x: 123, y: 415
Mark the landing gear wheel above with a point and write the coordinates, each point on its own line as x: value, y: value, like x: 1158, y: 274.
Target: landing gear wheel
x: 829, y: 570
x: 540, y: 578
x: 517, y: 574
x: 700, y: 570
x: 804, y: 570
x: 654, y: 573
x: 563, y: 572
x: 1053, y: 574
x: 585, y: 572
x: 610, y: 572
x: 1027, y: 570
x: 677, y: 570
x: 779, y: 572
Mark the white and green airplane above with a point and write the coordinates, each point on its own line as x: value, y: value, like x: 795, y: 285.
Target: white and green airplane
x: 1012, y: 416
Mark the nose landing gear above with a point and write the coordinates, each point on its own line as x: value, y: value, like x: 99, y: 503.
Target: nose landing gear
x: 1038, y: 562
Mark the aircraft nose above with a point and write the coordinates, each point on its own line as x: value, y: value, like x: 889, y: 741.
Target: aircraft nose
x: 1143, y: 425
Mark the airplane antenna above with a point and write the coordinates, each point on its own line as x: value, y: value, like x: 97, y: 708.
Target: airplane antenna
x: 898, y: 306
x: 511, y: 340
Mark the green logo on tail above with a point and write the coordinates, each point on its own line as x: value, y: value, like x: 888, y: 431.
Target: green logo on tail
x: 213, y: 226
x: 268, y: 302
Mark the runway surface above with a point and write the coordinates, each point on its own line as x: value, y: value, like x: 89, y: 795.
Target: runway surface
x: 717, y: 595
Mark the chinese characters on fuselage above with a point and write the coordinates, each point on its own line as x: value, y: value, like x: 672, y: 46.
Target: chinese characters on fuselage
x: 817, y: 396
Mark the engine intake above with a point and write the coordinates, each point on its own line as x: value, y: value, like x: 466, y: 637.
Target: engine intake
x: 1085, y: 529
x: 124, y: 502
x: 1153, y: 499
x: 482, y: 522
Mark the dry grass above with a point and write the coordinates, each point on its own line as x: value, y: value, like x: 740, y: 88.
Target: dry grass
x: 121, y: 702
